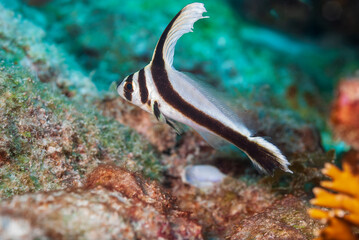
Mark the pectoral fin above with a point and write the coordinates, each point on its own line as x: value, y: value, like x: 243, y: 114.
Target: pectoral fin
x: 156, y: 111
x: 179, y: 130
x: 162, y: 118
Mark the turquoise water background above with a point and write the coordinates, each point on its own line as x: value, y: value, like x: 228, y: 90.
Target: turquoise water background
x: 249, y: 62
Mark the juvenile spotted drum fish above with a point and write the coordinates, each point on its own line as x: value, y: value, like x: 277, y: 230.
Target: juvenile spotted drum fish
x: 175, y: 97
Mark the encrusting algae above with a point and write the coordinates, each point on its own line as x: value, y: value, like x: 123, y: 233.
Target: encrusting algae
x: 46, y: 143
x: 342, y: 199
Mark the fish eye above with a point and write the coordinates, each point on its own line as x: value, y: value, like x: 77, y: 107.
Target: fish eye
x: 128, y: 87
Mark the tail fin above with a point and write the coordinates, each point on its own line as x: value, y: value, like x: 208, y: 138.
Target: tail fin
x: 265, y: 155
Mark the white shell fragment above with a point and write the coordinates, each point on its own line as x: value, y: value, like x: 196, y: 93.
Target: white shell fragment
x: 202, y: 176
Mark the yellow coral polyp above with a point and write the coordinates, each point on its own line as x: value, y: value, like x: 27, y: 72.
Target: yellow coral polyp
x: 318, y: 214
x: 343, y: 203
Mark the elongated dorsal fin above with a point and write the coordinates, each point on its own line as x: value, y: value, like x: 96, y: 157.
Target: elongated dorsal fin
x: 182, y: 23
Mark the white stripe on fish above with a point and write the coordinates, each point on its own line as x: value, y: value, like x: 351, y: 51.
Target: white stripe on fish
x: 173, y: 96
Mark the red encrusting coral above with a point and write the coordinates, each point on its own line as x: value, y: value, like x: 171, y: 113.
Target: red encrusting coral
x: 345, y: 112
x: 114, y: 204
x: 175, y: 223
x: 131, y: 185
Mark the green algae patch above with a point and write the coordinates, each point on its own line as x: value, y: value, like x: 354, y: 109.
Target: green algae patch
x: 46, y: 143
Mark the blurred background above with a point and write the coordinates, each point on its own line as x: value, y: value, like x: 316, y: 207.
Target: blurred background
x: 280, y: 54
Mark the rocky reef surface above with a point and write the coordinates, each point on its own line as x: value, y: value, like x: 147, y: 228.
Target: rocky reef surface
x: 77, y: 162
x: 48, y: 143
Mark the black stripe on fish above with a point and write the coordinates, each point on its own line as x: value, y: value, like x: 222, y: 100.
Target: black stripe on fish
x: 158, y: 57
x: 156, y: 110
x: 265, y: 158
x: 142, y: 86
x: 119, y: 83
x: 128, y: 94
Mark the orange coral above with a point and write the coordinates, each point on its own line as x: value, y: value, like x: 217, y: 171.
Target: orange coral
x: 343, y: 203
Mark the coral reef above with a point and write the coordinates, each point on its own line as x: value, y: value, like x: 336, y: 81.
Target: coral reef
x: 342, y: 199
x: 343, y: 202
x: 225, y: 205
x: 114, y: 204
x: 284, y: 219
x: 220, y: 208
x: 243, y: 209
x: 343, y: 118
x: 75, y: 160
x: 129, y: 184
x: 46, y: 143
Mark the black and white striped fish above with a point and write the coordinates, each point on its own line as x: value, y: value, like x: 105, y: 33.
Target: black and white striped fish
x: 173, y: 96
